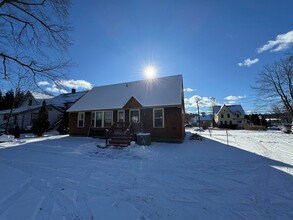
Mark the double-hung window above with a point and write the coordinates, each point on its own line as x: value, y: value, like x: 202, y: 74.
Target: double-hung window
x: 80, y: 119
x: 101, y: 119
x: 134, y: 115
x: 108, y: 119
x: 121, y: 116
x: 158, y: 117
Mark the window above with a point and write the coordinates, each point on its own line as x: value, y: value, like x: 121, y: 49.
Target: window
x: 30, y: 102
x: 121, y: 116
x: 108, y: 119
x: 222, y: 115
x: 228, y: 115
x: 158, y: 118
x: 134, y: 115
x: 102, y: 119
x: 80, y: 119
x: 98, y: 119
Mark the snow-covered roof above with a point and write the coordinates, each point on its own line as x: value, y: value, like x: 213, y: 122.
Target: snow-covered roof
x: 20, y: 109
x: 164, y: 91
x: 41, y: 96
x: 232, y: 108
x: 203, y: 118
x: 63, y: 99
x: 236, y: 108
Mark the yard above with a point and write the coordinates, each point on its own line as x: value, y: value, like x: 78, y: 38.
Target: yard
x: 62, y: 177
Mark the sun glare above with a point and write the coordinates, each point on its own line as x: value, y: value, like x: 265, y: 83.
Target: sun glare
x: 150, y: 72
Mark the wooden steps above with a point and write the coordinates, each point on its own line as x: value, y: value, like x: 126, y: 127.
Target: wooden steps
x: 120, y: 140
x: 119, y: 135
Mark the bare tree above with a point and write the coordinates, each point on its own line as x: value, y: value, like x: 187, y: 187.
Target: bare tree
x: 33, y: 38
x: 20, y: 84
x: 274, y: 84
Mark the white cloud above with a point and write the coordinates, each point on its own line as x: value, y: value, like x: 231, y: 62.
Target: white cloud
x: 202, y: 101
x: 188, y: 90
x: 43, y: 83
x: 248, y: 62
x: 61, y: 85
x: 282, y: 42
x: 76, y: 84
x: 232, y: 99
x: 54, y: 89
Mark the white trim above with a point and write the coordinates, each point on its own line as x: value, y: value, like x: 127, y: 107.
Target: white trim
x: 94, y: 115
x: 163, y: 117
x: 132, y: 110
x: 95, y: 121
x: 118, y: 115
x: 79, y: 118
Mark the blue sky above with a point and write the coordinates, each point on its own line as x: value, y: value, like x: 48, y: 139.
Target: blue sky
x: 218, y: 46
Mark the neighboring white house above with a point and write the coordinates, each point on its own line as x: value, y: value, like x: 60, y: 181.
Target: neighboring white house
x: 229, y: 116
x: 205, y: 121
x: 28, y: 109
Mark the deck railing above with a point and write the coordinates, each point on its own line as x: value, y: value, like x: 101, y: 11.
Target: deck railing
x: 121, y: 127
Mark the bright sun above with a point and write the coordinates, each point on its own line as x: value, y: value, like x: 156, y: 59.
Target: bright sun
x: 150, y: 72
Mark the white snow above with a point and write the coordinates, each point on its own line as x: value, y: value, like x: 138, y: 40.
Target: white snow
x: 6, y: 138
x: 62, y: 177
x: 39, y: 97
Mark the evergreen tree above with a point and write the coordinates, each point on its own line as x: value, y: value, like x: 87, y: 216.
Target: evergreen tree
x: 64, y: 124
x: 1, y: 100
x: 42, y: 124
x: 18, y: 97
x: 257, y: 120
x: 8, y: 100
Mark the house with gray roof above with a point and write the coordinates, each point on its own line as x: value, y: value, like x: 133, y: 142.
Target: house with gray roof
x: 229, y: 116
x: 154, y: 106
x: 27, y: 111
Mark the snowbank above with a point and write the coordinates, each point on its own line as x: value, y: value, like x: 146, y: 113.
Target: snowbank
x: 6, y: 138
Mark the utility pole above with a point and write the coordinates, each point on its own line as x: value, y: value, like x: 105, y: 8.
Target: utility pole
x: 213, y: 103
x: 198, y: 114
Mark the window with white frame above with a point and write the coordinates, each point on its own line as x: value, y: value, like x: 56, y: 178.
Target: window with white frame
x: 121, y: 116
x: 158, y: 117
x: 101, y: 119
x: 108, y: 119
x: 80, y: 119
x: 134, y: 115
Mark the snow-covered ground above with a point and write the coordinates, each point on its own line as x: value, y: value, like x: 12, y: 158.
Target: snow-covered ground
x: 62, y: 177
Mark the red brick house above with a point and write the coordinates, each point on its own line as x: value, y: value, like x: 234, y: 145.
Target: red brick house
x: 154, y: 106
